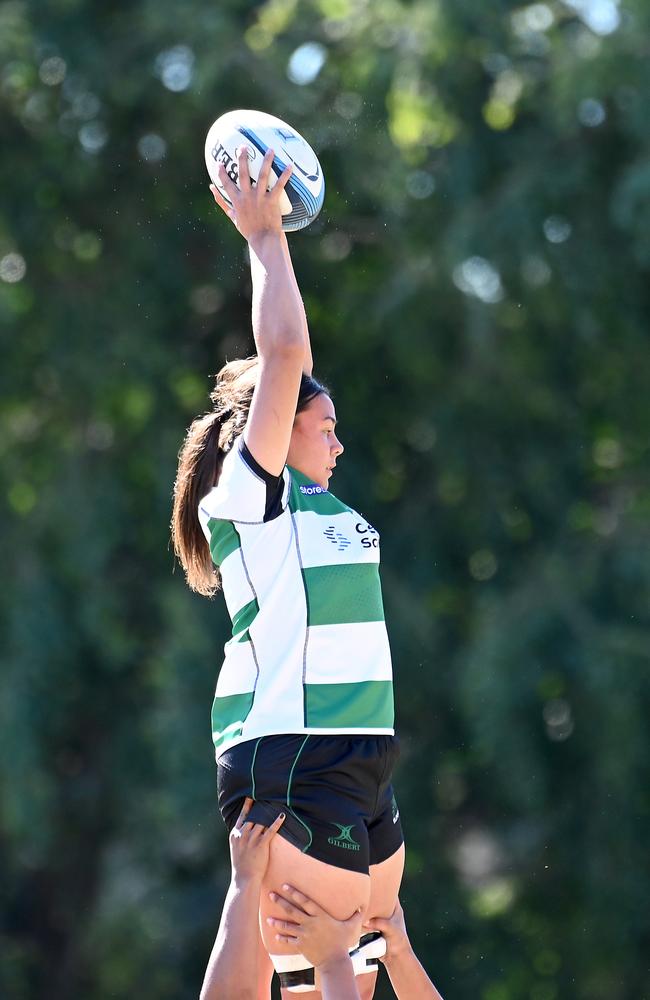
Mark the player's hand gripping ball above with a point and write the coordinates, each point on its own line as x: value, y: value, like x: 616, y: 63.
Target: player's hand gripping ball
x: 302, y: 198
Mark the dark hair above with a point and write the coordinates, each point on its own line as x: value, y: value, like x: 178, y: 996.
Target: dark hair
x: 207, y: 441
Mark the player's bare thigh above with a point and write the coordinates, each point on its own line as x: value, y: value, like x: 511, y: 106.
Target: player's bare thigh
x: 339, y: 891
x: 385, y: 880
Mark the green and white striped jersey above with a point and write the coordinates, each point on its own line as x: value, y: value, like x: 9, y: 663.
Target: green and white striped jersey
x: 309, y: 651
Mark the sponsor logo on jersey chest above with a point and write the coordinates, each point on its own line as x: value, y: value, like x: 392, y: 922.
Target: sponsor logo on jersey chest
x: 369, y: 535
x: 337, y: 538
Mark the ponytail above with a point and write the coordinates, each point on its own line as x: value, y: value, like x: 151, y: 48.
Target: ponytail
x: 199, y: 465
x: 200, y: 459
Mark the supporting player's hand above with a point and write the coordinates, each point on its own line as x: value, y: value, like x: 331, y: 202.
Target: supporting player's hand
x: 254, y: 210
x: 393, y: 929
x: 249, y: 845
x: 315, y: 933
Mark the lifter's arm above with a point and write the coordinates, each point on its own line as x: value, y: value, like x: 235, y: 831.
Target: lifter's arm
x: 231, y: 971
x: 407, y: 975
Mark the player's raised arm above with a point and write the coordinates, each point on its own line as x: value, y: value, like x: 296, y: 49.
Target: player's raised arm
x: 308, y: 361
x: 278, y: 316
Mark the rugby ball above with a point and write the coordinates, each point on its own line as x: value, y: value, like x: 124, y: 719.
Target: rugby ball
x: 302, y: 198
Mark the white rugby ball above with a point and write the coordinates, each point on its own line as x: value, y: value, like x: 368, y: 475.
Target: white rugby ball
x: 302, y: 198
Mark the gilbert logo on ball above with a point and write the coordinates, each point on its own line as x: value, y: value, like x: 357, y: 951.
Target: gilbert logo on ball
x: 302, y: 198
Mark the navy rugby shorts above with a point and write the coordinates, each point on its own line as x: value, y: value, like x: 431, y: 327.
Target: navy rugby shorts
x: 336, y: 793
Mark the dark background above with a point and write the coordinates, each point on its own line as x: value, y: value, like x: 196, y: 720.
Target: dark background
x: 477, y: 288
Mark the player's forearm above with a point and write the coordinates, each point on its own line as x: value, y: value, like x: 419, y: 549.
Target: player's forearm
x: 309, y: 361
x: 277, y: 312
x: 231, y: 971
x: 408, y: 978
x: 337, y: 980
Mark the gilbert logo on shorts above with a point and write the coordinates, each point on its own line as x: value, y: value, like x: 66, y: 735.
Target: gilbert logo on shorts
x: 344, y: 838
x: 312, y: 490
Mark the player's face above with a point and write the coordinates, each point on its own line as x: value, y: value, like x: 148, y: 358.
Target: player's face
x: 314, y: 446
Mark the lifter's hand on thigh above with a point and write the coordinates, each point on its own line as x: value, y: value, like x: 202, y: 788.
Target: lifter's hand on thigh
x: 249, y: 845
x: 393, y: 929
x: 317, y: 935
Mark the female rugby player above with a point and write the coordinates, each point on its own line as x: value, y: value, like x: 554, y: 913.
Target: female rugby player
x: 302, y: 717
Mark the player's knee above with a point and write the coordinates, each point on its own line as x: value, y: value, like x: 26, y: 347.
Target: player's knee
x: 297, y: 974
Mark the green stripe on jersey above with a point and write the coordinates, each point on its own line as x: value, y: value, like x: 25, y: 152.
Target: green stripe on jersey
x: 307, y: 495
x: 229, y: 715
x: 244, y: 618
x: 338, y: 595
x: 223, y: 539
x: 364, y: 705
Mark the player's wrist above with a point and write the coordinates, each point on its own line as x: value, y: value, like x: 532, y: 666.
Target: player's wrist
x: 246, y: 879
x: 397, y: 952
x: 261, y: 239
x: 337, y: 960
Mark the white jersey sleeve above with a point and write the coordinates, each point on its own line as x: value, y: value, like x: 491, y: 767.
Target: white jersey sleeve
x: 245, y: 493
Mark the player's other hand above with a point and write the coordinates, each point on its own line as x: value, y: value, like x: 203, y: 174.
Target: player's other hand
x: 250, y: 844
x: 316, y: 934
x: 254, y: 211
x: 394, y: 930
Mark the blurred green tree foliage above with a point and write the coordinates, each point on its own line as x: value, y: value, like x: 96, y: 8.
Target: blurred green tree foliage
x: 477, y: 286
